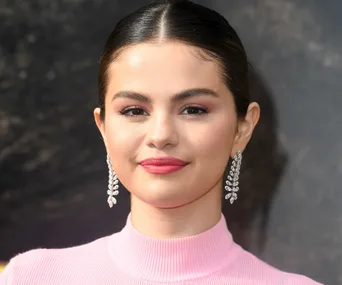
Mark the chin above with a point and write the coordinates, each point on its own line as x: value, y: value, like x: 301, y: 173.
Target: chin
x: 163, y: 199
x: 167, y: 204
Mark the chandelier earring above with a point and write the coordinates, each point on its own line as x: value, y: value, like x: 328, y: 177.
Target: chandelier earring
x: 113, y: 184
x: 232, y: 182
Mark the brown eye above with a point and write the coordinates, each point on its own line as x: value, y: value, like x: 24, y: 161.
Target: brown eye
x: 192, y: 110
x: 134, y: 112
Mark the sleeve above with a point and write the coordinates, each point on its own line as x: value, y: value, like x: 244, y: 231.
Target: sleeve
x: 6, y: 276
x: 18, y: 266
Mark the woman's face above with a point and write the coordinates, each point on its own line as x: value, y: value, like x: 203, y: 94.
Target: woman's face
x: 165, y: 100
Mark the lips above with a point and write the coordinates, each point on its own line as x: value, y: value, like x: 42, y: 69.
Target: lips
x: 162, y: 165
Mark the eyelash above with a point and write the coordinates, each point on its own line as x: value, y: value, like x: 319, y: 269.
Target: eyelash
x: 125, y: 111
x: 203, y: 111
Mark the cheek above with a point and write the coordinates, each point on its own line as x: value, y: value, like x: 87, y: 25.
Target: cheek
x: 218, y: 139
x: 122, y: 141
x: 214, y: 150
x: 211, y: 151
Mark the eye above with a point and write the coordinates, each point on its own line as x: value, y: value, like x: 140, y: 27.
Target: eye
x: 194, y: 110
x: 134, y: 111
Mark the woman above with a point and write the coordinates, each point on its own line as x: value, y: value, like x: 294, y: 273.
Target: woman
x: 174, y: 107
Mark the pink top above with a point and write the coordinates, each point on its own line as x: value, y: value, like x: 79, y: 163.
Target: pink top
x: 129, y: 258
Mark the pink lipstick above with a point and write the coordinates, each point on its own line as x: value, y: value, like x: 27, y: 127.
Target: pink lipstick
x: 162, y: 165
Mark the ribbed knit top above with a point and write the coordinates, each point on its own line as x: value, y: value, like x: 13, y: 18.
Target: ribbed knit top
x: 129, y: 257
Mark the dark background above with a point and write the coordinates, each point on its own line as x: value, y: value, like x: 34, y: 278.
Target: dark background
x: 53, y: 172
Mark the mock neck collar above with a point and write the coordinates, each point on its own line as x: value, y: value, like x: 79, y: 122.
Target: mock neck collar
x: 175, y: 259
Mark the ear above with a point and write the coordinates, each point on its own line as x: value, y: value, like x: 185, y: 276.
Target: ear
x: 245, y: 128
x: 100, y: 124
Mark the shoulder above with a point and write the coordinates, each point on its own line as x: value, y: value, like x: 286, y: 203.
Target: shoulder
x: 20, y: 264
x: 40, y: 265
x: 263, y: 273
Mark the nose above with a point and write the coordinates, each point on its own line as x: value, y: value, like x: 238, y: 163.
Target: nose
x: 162, y: 132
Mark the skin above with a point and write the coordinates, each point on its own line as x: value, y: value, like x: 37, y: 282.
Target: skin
x: 202, y: 130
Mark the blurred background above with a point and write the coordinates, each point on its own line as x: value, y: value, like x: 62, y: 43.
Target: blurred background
x: 53, y: 173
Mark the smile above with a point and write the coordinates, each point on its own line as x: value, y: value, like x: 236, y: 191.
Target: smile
x: 162, y: 165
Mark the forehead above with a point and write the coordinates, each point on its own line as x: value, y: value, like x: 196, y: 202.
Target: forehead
x: 163, y: 67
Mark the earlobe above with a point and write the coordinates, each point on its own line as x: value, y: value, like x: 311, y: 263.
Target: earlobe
x: 251, y: 119
x: 99, y: 122
x: 245, y: 128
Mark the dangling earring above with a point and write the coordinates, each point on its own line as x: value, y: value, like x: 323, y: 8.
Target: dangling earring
x: 113, y: 184
x: 232, y: 182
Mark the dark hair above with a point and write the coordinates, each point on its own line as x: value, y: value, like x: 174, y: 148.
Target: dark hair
x: 193, y: 24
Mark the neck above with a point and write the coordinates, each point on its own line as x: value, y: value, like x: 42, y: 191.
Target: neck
x: 183, y: 221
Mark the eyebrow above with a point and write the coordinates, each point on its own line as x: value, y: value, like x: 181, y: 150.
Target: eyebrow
x: 180, y: 96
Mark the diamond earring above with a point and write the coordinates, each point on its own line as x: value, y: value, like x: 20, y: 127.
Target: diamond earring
x: 232, y: 182
x: 113, y: 184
